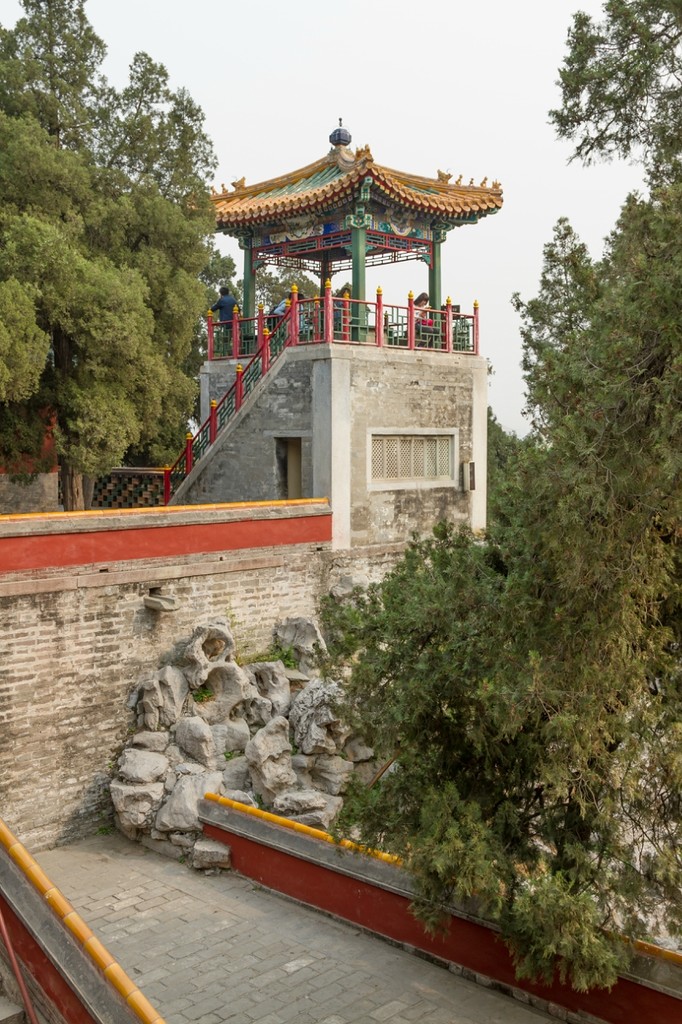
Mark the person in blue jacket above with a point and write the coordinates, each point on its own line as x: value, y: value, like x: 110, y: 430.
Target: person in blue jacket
x: 224, y: 307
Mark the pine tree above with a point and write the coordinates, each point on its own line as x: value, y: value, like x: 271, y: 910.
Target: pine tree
x: 529, y: 688
x: 104, y: 224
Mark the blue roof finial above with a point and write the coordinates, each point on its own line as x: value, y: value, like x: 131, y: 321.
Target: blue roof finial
x: 340, y: 136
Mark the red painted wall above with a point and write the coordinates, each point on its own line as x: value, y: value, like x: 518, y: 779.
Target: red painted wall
x: 57, y: 992
x: 49, y: 551
x: 465, y: 942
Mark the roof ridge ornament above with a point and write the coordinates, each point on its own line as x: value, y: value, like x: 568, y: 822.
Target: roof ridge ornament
x: 239, y: 184
x: 340, y: 136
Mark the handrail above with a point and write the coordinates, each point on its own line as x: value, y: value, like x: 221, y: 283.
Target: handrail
x: 25, y: 997
x: 297, y: 826
x: 101, y: 957
x: 644, y: 948
x: 310, y: 321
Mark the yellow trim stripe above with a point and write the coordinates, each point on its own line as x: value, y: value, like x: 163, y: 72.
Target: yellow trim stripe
x: 296, y: 826
x: 112, y: 970
x: 646, y: 948
x: 95, y: 513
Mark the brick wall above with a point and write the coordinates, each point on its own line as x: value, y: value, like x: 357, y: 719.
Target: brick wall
x: 76, y: 637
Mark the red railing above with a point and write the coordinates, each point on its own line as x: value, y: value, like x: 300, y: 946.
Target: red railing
x: 330, y: 319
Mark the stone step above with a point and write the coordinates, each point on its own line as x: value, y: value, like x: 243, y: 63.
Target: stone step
x: 10, y: 1013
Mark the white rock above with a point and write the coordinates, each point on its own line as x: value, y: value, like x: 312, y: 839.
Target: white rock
x: 331, y: 774
x: 156, y: 741
x: 305, y: 638
x: 194, y: 736
x: 315, y: 720
x: 271, y: 681
x: 269, y: 758
x: 229, y: 737
x: 180, y: 812
x: 236, y: 774
x: 356, y: 750
x: 208, y: 853
x: 136, y: 805
x: 308, y: 806
x: 240, y: 796
x: 208, y: 646
x: 142, y: 765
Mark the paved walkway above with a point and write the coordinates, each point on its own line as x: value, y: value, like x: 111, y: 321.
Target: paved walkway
x: 213, y: 949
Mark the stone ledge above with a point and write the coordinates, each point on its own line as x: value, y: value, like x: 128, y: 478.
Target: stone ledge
x: 96, y: 521
x: 33, y: 582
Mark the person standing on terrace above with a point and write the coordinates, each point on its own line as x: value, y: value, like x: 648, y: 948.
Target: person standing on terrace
x: 225, y: 306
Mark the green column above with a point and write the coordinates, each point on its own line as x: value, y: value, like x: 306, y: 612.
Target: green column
x: 249, y: 303
x: 435, y: 288
x: 358, y: 242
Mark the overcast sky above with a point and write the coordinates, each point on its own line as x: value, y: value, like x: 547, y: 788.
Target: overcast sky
x: 429, y: 85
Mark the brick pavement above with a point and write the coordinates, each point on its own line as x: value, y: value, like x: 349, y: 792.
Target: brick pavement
x: 212, y: 949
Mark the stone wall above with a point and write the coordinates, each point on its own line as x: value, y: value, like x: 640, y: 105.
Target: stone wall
x: 411, y: 394
x: 78, y: 633
x: 334, y: 398
x: 244, y: 463
x: 40, y: 494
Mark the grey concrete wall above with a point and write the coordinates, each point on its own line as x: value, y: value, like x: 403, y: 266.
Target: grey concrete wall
x: 334, y: 397
x: 243, y: 464
x: 410, y: 392
x: 38, y: 495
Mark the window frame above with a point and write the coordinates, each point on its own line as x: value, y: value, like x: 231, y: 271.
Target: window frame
x: 413, y: 483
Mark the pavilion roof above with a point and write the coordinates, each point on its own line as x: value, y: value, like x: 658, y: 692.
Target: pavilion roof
x: 336, y: 180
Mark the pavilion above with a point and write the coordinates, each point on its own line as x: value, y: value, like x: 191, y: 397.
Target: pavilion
x: 344, y: 213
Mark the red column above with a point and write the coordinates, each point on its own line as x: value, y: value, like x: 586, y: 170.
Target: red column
x: 293, y: 316
x: 317, y: 334
x: 410, y: 320
x: 476, y: 327
x: 235, y: 333
x: 239, y: 387
x: 213, y: 421
x: 380, y: 318
x: 345, y: 328
x: 188, y: 453
x: 265, y: 352
x: 209, y: 329
x: 448, y: 324
x: 328, y: 335
x: 260, y: 326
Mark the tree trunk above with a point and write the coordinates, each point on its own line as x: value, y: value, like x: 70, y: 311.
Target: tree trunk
x: 88, y: 491
x: 72, y: 489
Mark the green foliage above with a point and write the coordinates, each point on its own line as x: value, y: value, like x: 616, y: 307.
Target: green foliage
x: 203, y: 694
x: 286, y: 655
x: 622, y: 85
x: 529, y: 687
x: 104, y: 226
x: 272, y: 287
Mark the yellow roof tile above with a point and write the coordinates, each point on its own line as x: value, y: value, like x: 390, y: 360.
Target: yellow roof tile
x: 337, y: 179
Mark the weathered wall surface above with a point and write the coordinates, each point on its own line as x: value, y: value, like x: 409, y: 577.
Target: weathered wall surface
x: 39, y: 495
x: 76, y: 637
x: 333, y: 397
x: 244, y: 462
x: 410, y: 393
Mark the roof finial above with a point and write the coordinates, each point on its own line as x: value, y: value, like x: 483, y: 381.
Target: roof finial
x: 340, y: 136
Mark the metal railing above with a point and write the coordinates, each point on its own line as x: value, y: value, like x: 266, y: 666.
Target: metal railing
x: 331, y: 320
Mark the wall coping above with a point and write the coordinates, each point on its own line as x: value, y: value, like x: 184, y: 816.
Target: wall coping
x: 100, y: 520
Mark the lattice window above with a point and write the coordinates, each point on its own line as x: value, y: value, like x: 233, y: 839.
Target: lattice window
x: 410, y: 457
